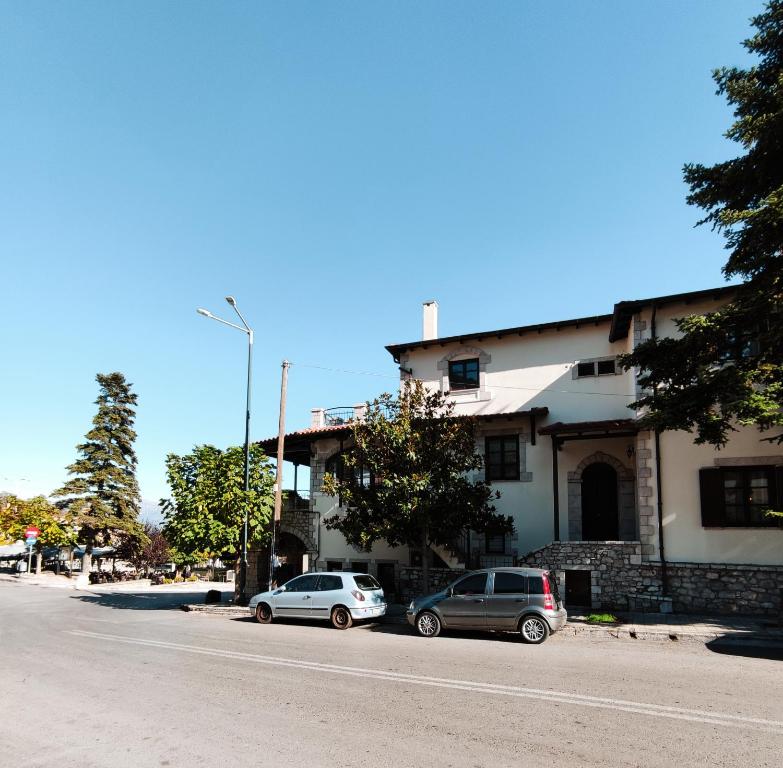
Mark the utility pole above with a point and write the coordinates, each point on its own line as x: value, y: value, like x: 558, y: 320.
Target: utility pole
x: 279, y: 479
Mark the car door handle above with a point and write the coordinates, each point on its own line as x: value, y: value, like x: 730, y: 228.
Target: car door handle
x: 480, y: 600
x: 306, y: 597
x: 520, y: 600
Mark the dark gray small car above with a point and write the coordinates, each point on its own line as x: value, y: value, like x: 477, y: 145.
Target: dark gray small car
x: 524, y: 600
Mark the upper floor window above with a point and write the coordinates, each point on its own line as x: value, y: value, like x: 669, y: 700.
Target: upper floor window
x: 464, y: 374
x: 495, y: 544
x: 359, y: 474
x: 605, y: 366
x: 502, y: 457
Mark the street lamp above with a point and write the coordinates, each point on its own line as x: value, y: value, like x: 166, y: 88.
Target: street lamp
x: 249, y: 331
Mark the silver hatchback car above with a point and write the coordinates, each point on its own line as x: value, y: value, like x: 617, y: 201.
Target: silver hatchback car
x: 340, y: 597
x: 506, y: 599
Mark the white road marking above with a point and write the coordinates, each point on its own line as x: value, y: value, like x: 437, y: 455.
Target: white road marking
x: 552, y: 697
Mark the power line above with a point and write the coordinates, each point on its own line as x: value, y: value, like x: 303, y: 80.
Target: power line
x: 345, y: 370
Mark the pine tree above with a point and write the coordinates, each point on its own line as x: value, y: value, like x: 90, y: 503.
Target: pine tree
x: 103, y: 495
x: 726, y: 367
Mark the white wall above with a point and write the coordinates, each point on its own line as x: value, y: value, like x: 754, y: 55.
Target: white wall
x: 685, y: 540
x: 534, y: 370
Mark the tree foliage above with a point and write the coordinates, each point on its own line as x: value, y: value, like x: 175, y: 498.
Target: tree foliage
x: 17, y: 514
x: 205, y: 515
x: 726, y: 367
x: 102, y: 495
x: 407, y: 479
x: 148, y: 552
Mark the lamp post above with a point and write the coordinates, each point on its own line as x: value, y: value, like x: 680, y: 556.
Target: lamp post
x: 249, y: 331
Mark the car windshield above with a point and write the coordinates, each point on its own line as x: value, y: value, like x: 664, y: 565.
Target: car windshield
x: 366, y: 583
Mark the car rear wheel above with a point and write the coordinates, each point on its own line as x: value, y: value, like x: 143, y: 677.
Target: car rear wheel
x: 533, y: 629
x: 428, y: 624
x: 341, y: 618
x: 263, y: 614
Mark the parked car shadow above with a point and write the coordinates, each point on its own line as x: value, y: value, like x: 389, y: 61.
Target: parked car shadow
x: 157, y: 600
x: 750, y: 648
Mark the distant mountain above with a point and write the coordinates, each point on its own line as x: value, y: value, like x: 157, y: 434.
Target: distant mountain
x: 150, y: 512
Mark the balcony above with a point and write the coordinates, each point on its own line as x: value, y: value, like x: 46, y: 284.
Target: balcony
x: 335, y: 417
x: 296, y: 501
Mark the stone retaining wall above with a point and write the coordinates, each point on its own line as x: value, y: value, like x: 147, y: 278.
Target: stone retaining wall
x: 621, y: 581
x: 714, y: 588
x: 412, y: 582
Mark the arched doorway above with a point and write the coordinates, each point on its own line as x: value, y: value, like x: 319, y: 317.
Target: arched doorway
x: 290, y: 551
x: 599, y: 503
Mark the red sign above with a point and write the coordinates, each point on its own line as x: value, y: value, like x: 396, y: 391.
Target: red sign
x: 31, y: 532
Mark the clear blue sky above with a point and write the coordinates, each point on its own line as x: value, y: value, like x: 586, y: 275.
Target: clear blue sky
x: 331, y: 164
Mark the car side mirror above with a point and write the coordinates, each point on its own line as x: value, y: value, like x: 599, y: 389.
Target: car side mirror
x: 279, y: 590
x: 450, y: 591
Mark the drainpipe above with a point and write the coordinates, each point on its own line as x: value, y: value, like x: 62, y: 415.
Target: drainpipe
x: 664, y: 573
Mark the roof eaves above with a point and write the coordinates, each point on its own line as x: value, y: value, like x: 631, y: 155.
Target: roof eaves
x: 395, y: 350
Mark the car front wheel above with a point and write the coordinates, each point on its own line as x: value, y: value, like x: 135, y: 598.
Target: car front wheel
x: 341, y: 618
x: 428, y: 624
x: 263, y: 614
x: 534, y: 629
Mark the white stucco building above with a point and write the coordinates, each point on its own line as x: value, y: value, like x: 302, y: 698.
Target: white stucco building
x: 627, y: 517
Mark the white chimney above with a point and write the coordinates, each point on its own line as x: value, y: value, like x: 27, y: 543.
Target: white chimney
x: 430, y: 321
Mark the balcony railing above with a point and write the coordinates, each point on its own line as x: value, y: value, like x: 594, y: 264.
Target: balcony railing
x: 335, y: 416
x: 296, y: 500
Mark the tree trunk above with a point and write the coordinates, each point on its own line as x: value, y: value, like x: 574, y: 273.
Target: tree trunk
x: 87, y: 562
x: 425, y: 559
x: 38, y: 561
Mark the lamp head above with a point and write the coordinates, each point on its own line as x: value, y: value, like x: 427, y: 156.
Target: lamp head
x: 232, y: 301
x: 204, y: 312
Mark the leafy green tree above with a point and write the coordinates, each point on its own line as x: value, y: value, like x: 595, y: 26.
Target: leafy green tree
x: 102, y: 494
x: 17, y: 514
x: 407, y: 478
x: 205, y: 515
x: 726, y: 366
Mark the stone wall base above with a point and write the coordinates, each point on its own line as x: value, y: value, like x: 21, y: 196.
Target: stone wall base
x: 412, y: 581
x: 621, y: 581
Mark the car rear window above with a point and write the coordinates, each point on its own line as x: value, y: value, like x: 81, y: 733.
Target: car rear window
x: 328, y: 583
x: 366, y: 582
x: 507, y: 583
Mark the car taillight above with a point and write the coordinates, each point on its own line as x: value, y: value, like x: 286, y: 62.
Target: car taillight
x: 549, y: 600
x: 358, y: 595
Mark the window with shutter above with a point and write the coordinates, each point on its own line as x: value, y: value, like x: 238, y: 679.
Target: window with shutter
x: 739, y: 496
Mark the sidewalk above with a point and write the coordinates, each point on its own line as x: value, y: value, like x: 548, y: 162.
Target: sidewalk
x: 682, y: 628
x: 49, y: 579
x: 46, y: 579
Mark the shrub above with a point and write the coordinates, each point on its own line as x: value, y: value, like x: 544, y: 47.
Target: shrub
x: 602, y: 618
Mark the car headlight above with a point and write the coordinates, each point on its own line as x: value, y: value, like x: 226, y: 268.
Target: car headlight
x: 412, y: 606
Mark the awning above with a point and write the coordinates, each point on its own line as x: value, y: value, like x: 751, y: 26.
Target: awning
x: 586, y: 430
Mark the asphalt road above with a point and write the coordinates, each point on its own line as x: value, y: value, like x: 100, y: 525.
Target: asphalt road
x: 124, y: 680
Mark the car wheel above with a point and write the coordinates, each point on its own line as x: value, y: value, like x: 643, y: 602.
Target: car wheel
x: 533, y: 629
x: 263, y: 614
x: 341, y: 618
x: 428, y: 624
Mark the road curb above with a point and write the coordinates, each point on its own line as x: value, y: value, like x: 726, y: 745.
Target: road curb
x: 229, y: 611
